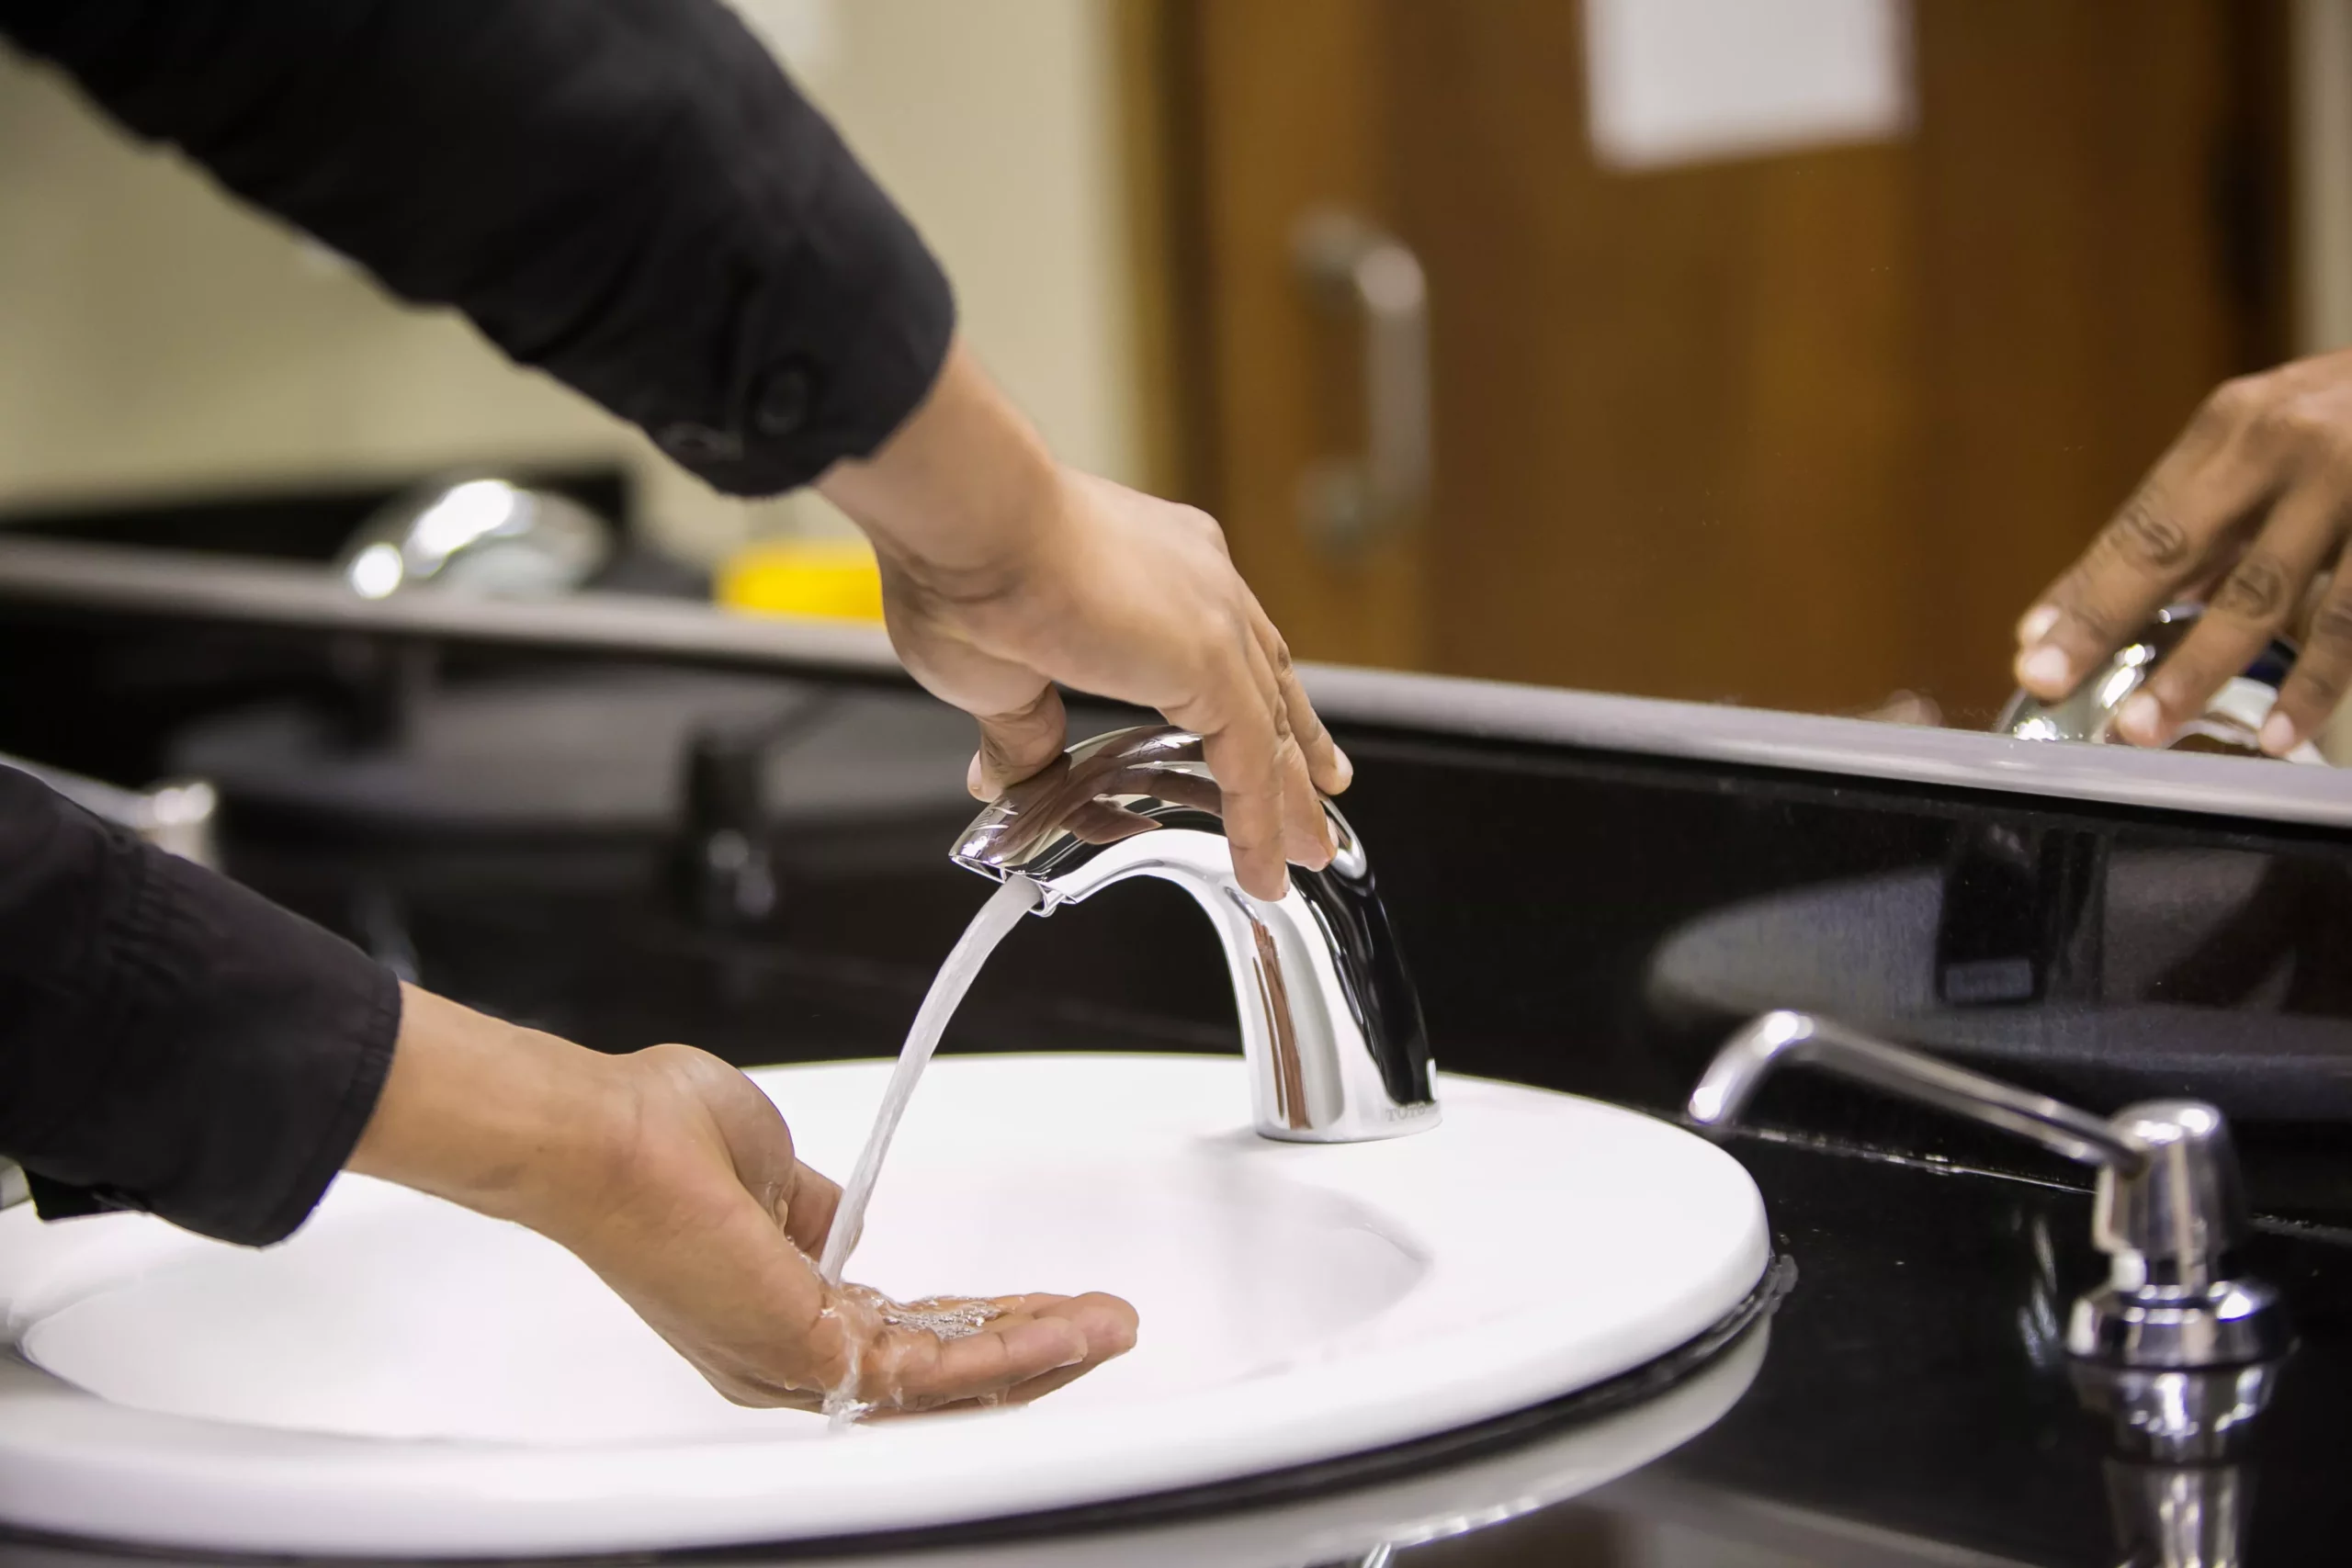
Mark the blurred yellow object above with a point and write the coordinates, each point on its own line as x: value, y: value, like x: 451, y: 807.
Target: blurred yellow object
x: 833, y: 578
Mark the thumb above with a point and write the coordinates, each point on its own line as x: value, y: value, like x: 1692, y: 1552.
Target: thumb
x: 1016, y: 744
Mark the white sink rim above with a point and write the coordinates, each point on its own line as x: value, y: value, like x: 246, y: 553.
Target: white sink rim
x: 67, y: 1458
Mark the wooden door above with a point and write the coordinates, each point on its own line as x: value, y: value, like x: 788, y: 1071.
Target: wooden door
x: 1795, y: 431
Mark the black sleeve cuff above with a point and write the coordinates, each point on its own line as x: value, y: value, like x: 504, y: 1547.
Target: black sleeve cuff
x: 170, y: 1041
x: 836, y: 383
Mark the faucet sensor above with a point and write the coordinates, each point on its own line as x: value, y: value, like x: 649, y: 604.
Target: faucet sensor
x: 1332, y: 1026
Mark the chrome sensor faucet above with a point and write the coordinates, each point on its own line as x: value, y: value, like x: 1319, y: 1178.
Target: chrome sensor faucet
x: 1330, y: 1024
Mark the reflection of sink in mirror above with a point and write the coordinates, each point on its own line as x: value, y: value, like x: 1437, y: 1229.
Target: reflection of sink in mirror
x: 2173, y: 971
x: 405, y: 1377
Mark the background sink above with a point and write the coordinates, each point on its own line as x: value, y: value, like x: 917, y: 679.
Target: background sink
x: 404, y: 1376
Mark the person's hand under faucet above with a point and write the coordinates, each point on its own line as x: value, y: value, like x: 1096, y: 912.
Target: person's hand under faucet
x: 2249, y: 510
x: 632, y: 199
x: 1004, y: 572
x: 672, y: 1175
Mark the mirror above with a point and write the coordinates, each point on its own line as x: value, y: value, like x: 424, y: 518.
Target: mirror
x: 1778, y: 354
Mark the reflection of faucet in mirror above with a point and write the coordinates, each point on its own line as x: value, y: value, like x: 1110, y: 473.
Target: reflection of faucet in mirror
x: 480, y: 537
x: 2229, y: 724
x: 2159, y: 968
x: 1330, y: 1023
x: 487, y: 537
x: 723, y: 863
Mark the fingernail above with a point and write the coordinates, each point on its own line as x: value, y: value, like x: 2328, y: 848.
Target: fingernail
x: 2278, y: 735
x: 974, y: 781
x: 1347, y: 768
x: 2047, y: 669
x: 2037, y: 624
x: 2141, y: 721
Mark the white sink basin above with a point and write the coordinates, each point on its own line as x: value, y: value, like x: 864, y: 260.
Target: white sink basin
x: 406, y: 1378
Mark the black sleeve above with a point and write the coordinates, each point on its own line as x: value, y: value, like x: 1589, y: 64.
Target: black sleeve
x: 627, y: 194
x: 170, y: 1041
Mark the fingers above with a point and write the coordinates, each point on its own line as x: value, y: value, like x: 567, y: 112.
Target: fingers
x: 2315, y: 687
x: 2249, y: 606
x: 1016, y: 744
x: 1306, y: 833
x: 915, y: 1370
x: 2179, y: 517
x: 1244, y: 753
x: 1270, y: 814
x: 1037, y: 1343
x: 1109, y: 1325
x: 1243, y: 760
x: 2247, y: 510
x: 1327, y: 765
x: 2188, y: 509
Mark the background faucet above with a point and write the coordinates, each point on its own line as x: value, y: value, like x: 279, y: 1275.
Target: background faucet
x: 176, y: 816
x: 1330, y: 1023
x: 486, y: 536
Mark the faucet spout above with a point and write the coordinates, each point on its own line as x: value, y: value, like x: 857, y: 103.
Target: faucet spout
x: 1330, y: 1023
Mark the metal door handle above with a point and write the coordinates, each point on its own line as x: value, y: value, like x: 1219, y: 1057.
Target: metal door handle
x: 1350, y: 267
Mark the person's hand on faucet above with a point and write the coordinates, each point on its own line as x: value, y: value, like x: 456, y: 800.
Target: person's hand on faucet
x: 670, y: 1175
x: 2249, y: 510
x: 1004, y: 572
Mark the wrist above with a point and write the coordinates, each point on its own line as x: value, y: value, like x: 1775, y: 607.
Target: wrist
x: 964, y: 499
x: 509, y: 1121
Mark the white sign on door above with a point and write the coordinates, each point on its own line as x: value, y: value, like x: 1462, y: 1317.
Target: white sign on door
x: 1672, y: 82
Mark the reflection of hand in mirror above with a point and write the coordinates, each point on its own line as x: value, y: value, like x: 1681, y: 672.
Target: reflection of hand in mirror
x: 2249, y: 510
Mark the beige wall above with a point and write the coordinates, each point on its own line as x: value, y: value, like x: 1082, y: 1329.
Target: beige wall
x: 155, y: 337
x: 2321, y: 43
